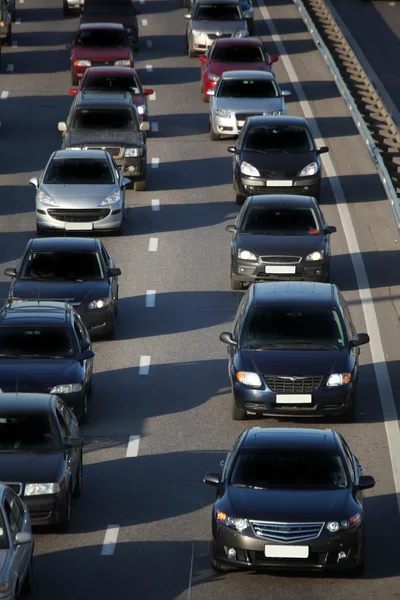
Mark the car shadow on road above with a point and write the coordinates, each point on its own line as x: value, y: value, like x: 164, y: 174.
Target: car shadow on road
x: 169, y: 75
x: 181, y: 125
x: 193, y: 173
x: 35, y: 39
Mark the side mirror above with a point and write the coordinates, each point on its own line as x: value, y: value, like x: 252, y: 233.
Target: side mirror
x: 148, y: 92
x: 34, y: 181
x: 361, y: 339
x: 23, y: 537
x: 86, y: 354
x: 211, y: 478
x: 202, y: 58
x: 144, y: 126
x: 323, y: 150
x: 330, y: 229
x: 73, y: 91
x: 125, y: 182
x: 233, y: 150
x: 114, y: 272
x: 230, y: 228
x: 285, y: 93
x: 188, y: 16
x: 228, y: 339
x: 273, y: 59
x: 75, y: 443
x: 210, y: 93
x: 62, y: 126
x: 366, y: 482
x: 10, y: 272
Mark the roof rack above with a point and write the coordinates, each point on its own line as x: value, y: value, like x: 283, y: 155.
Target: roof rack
x: 41, y: 303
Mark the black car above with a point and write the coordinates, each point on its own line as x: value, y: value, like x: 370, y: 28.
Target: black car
x: 280, y: 237
x: 289, y: 499
x: 276, y: 155
x: 293, y: 352
x: 79, y: 269
x: 111, y: 122
x: 45, y: 348
x: 41, y: 455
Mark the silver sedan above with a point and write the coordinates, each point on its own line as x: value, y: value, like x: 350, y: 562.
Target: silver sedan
x: 80, y: 190
x: 242, y: 94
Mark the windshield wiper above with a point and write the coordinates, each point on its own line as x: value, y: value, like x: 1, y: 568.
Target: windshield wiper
x: 266, y: 151
x: 310, y: 343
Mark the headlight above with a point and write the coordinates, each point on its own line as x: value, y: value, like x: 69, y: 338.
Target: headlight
x: 241, y: 33
x: 246, y: 255
x: 122, y: 63
x: 317, y: 255
x: 46, y: 199
x: 338, y: 379
x: 141, y: 109
x: 248, y: 169
x: 74, y: 148
x: 213, y: 77
x: 309, y: 170
x: 82, y: 63
x: 249, y: 378
x: 238, y: 524
x: 66, y: 388
x: 40, y: 489
x: 112, y: 199
x: 101, y: 303
x: 334, y: 526
x: 196, y: 32
x: 220, y: 112
x: 130, y: 152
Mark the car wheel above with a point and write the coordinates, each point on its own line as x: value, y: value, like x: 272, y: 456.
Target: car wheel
x: 237, y: 413
x: 214, y: 137
x: 236, y: 285
x: 78, y: 483
x: 219, y: 567
x: 110, y: 335
x: 65, y: 521
x: 74, y: 79
x: 139, y: 186
x: 27, y: 584
x: 240, y: 199
x: 350, y: 415
x: 191, y: 52
x: 40, y: 231
x: 358, y: 571
x: 13, y: 16
x: 82, y: 417
x: 327, y: 277
x: 65, y: 9
x: 206, y: 99
x: 7, y: 39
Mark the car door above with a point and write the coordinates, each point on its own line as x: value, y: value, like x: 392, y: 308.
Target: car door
x: 84, y: 343
x: 21, y: 553
x: 69, y: 428
x: 109, y: 264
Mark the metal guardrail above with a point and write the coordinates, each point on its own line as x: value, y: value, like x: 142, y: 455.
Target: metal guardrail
x: 369, y: 113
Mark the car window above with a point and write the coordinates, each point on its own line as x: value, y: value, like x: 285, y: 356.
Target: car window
x: 248, y: 88
x: 116, y: 83
x: 18, y: 512
x: 36, y: 342
x: 65, y: 413
x: 239, y: 54
x: 99, y: 119
x: 24, y: 433
x: 280, y: 221
x: 291, y: 139
x: 79, y: 333
x: 77, y: 171
x: 105, y: 255
x: 349, y: 459
x: 217, y: 12
x: 103, y: 38
x: 62, y: 266
x: 351, y: 332
x: 231, y: 455
x: 240, y: 315
x: 63, y: 423
x: 11, y: 518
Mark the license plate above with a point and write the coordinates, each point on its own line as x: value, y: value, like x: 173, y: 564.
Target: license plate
x: 240, y: 123
x: 78, y: 226
x: 287, y: 551
x: 281, y: 270
x: 277, y: 183
x: 293, y: 398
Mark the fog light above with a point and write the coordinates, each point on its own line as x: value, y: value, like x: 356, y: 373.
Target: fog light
x: 131, y: 169
x: 231, y: 553
x: 319, y: 272
x: 306, y: 188
x: 341, y: 556
x: 252, y: 188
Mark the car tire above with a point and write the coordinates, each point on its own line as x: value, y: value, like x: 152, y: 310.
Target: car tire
x: 139, y: 186
x: 327, y: 277
x: 236, y: 285
x: 237, y: 413
x: 110, y: 334
x: 359, y: 570
x: 219, y: 567
x: 240, y: 199
x: 65, y: 521
x: 206, y: 99
x: 40, y: 231
x: 65, y: 9
x: 82, y: 418
x: 7, y: 39
x: 350, y: 415
x: 74, y: 79
x: 214, y: 137
x: 78, y: 483
x: 13, y: 16
x: 27, y: 584
x: 191, y: 52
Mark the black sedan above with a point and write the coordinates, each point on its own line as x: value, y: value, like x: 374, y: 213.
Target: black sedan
x: 276, y: 155
x: 77, y: 269
x: 41, y: 455
x: 294, y: 352
x: 289, y: 499
x: 280, y: 237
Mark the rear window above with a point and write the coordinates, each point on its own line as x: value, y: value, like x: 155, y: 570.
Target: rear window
x: 289, y: 139
x: 112, y: 84
x: 76, y: 171
x: 36, y: 342
x: 239, y: 54
x: 95, y: 118
x: 280, y: 221
x: 62, y: 266
x: 217, y: 12
x: 247, y: 88
x: 104, y: 38
x: 28, y: 433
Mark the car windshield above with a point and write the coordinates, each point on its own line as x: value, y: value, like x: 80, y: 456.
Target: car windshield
x: 288, y: 139
x: 280, y: 221
x: 247, y: 88
x: 307, y: 328
x: 238, y: 54
x: 77, y: 171
x: 281, y: 469
x: 62, y: 266
x: 117, y: 9
x: 217, y: 12
x: 36, y: 342
x: 100, y: 119
x: 104, y: 38
x: 112, y: 83
x: 28, y: 433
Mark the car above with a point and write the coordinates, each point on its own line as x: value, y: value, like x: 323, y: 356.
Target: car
x: 12, y: 9
x: 80, y: 269
x: 99, y: 45
x: 289, y: 499
x: 246, y: 6
x: 211, y: 20
x: 45, y: 348
x: 293, y: 352
x: 71, y: 6
x: 112, y: 11
x: 41, y: 455
x: 276, y: 155
x: 80, y: 190
x: 115, y: 79
x: 109, y: 121
x: 242, y: 94
x: 232, y: 54
x: 6, y: 19
x: 280, y: 237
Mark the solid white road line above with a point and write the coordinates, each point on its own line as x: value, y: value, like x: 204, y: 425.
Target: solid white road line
x: 154, y: 126
x: 155, y: 205
x: 144, y: 22
x: 153, y: 244
x: 10, y: 68
x: 110, y: 540
x: 144, y: 365
x: 155, y: 162
x: 191, y: 573
x: 149, y: 68
x: 150, y: 298
x: 149, y: 43
x: 4, y: 95
x: 371, y: 320
x: 132, y: 449
x: 153, y: 96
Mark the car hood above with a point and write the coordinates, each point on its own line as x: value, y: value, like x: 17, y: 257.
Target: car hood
x: 259, y: 105
x: 76, y: 291
x: 76, y: 193
x: 219, y: 26
x: 281, y: 245
x: 220, y: 67
x: 32, y: 467
x: 101, y: 54
x: 103, y: 138
x: 278, y: 162
x: 289, y: 505
x: 36, y: 374
x: 295, y: 362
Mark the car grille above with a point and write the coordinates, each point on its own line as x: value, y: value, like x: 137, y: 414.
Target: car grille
x: 281, y: 384
x: 286, y: 260
x: 112, y: 150
x: 244, y: 116
x: 214, y: 36
x: 17, y: 487
x: 79, y: 216
x: 286, y: 532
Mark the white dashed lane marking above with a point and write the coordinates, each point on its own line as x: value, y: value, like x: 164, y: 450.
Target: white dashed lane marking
x: 155, y: 162
x: 150, y: 298
x: 10, y: 68
x: 153, y: 244
x: 132, y: 449
x: 155, y: 204
x: 154, y: 126
x: 149, y: 43
x: 144, y: 22
x: 4, y: 95
x: 144, y: 365
x: 110, y: 540
x: 153, y: 96
x: 149, y: 68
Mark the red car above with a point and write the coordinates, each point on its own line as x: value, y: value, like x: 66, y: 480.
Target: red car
x: 111, y: 11
x: 232, y: 54
x: 97, y: 45
x: 115, y: 79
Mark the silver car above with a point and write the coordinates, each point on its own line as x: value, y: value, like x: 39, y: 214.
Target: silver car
x: 242, y: 94
x: 16, y: 545
x: 80, y: 190
x: 211, y: 20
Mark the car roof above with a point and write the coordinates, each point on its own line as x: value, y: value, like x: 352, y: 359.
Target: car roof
x: 80, y: 154
x: 64, y: 244
x: 41, y: 312
x: 249, y: 74
x: 238, y: 42
x: 290, y: 438
x: 111, y: 71
x: 283, y: 121
x: 89, y: 26
x: 218, y: 2
x: 294, y: 293
x: 26, y: 403
x: 288, y: 200
x: 104, y: 99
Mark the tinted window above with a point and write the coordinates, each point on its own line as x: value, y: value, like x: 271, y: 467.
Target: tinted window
x: 280, y: 221
x: 62, y: 266
x: 3, y: 531
x: 18, y: 512
x: 76, y: 171
x: 27, y: 433
x: 104, y: 119
x: 288, y: 470
x: 11, y: 519
x: 237, y: 54
x: 217, y: 12
x: 278, y: 139
x: 104, y: 38
x: 36, y: 342
x: 114, y: 84
x: 248, y: 88
x: 105, y: 9
x: 304, y: 328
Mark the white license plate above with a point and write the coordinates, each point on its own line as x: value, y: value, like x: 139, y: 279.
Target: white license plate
x: 293, y: 398
x: 79, y: 226
x: 287, y: 551
x: 280, y: 270
x: 277, y: 183
x: 240, y: 123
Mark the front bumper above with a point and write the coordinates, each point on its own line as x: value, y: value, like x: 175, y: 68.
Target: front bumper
x: 251, y: 186
x: 108, y: 218
x: 74, y: 401
x: 134, y: 167
x: 233, y: 126
x: 97, y: 321
x: 251, y: 272
x: 201, y: 43
x: 46, y: 509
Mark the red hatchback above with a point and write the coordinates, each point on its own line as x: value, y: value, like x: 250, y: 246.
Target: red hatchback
x: 115, y: 79
x: 98, y: 45
x: 232, y: 54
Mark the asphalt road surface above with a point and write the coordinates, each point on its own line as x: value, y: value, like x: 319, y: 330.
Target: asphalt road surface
x: 176, y: 411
